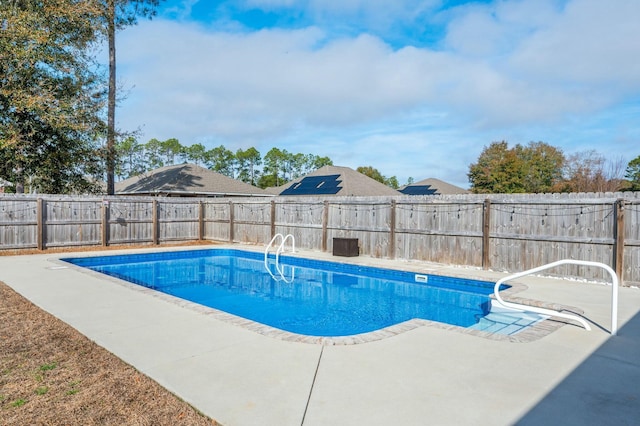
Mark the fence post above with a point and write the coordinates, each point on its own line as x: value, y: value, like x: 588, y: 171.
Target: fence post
x: 273, y: 218
x: 200, y: 220
x: 105, y: 223
x: 40, y: 224
x: 486, y: 228
x: 231, y: 218
x: 325, y: 224
x: 392, y: 231
x: 618, y: 235
x: 156, y: 227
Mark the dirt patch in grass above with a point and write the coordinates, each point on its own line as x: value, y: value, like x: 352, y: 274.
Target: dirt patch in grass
x: 50, y: 374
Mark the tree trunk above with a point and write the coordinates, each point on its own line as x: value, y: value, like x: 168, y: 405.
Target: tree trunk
x: 111, y: 107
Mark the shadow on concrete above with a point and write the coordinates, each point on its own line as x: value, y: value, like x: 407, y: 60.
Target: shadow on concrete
x: 603, y: 390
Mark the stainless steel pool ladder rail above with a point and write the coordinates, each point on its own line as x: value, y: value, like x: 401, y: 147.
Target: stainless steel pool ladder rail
x: 278, y: 251
x: 552, y: 312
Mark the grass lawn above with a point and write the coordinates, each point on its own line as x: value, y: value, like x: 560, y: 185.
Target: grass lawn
x: 50, y: 374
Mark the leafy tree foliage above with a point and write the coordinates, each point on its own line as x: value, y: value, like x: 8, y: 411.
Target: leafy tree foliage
x: 539, y: 167
x: 161, y: 153
x: 131, y: 160
x: 498, y: 170
x: 633, y: 174
x: 281, y: 166
x: 375, y: 174
x: 371, y: 172
x: 196, y: 154
x: 542, y: 166
x: 274, y: 168
x: 392, y: 182
x: 317, y: 162
x: 246, y: 162
x: 222, y: 160
x: 170, y: 150
x: 154, y: 154
x: 50, y: 95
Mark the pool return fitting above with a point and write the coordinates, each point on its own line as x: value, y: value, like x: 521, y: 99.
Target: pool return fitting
x: 279, y: 250
x: 552, y: 312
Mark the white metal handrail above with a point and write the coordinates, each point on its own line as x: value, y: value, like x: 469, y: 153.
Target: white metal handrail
x: 279, y: 250
x: 614, y: 293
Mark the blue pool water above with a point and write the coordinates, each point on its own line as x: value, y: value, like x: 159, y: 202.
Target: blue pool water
x: 311, y: 297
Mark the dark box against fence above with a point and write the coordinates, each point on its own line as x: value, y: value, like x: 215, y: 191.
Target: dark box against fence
x: 345, y: 247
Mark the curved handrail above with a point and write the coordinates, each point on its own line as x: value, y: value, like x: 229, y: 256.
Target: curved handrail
x: 266, y: 256
x: 279, y: 250
x: 281, y: 247
x: 614, y: 293
x: 266, y: 249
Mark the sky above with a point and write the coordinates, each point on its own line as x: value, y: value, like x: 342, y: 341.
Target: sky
x: 415, y: 88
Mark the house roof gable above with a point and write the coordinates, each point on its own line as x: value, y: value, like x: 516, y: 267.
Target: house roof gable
x: 347, y: 181
x: 432, y: 186
x: 186, y: 179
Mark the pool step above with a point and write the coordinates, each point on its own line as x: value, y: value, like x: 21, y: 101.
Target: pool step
x: 506, y: 321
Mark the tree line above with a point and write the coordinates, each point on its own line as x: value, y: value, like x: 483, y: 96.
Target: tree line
x: 541, y: 168
x: 275, y: 168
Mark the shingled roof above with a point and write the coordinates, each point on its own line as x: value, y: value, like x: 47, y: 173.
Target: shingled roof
x: 334, y: 180
x: 187, y: 180
x: 432, y: 186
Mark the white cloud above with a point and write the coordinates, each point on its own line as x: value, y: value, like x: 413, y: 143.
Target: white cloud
x: 545, y: 60
x: 592, y: 42
x: 492, y: 31
x: 502, y: 67
x: 275, y: 76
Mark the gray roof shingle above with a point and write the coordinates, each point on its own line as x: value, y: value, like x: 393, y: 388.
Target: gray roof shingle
x: 186, y: 180
x: 352, y: 183
x: 441, y: 187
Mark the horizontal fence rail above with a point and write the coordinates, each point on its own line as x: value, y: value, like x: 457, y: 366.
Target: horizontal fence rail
x: 500, y: 232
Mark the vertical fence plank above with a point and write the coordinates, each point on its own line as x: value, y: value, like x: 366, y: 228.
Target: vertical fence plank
x: 392, y: 230
x: 273, y: 218
x: 618, y: 247
x: 325, y: 222
x: 486, y: 229
x: 104, y: 226
x: 41, y: 224
x: 155, y: 226
x: 200, y: 221
x: 231, y: 220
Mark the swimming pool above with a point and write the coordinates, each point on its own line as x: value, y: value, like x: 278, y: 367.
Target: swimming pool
x: 310, y: 297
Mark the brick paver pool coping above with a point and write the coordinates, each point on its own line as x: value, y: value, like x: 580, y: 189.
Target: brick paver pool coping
x: 532, y: 333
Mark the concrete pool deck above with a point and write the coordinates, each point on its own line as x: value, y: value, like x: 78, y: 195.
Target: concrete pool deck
x: 426, y: 375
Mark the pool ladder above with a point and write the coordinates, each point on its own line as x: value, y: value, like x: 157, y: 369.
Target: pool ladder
x: 279, y: 250
x: 552, y: 312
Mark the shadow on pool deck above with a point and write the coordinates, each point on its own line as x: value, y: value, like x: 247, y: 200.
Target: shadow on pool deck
x: 604, y: 389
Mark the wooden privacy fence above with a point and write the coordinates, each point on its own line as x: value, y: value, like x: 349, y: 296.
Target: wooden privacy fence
x: 509, y: 233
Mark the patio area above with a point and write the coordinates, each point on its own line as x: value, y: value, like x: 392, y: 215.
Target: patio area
x: 425, y: 375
